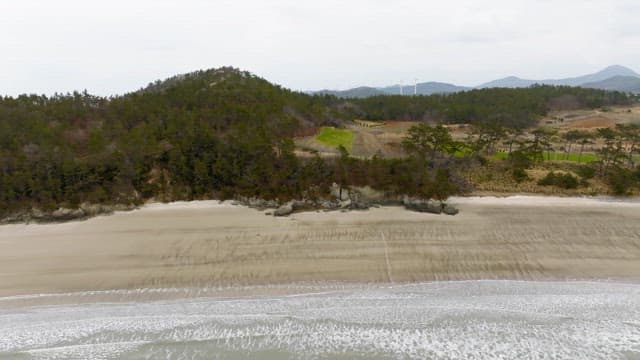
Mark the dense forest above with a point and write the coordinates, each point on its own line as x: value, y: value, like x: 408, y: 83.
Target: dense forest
x: 224, y: 133
x: 514, y: 108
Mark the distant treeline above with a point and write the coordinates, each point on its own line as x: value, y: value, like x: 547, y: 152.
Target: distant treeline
x: 512, y: 108
x: 223, y: 133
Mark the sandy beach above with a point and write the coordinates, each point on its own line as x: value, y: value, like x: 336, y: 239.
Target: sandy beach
x: 208, y: 244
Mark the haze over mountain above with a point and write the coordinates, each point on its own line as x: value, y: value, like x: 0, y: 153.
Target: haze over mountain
x: 355, y: 93
x: 607, y: 73
x: 620, y: 83
x: 615, y: 77
x: 426, y: 88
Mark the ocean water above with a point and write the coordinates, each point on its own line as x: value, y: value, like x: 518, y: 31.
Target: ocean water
x: 441, y: 320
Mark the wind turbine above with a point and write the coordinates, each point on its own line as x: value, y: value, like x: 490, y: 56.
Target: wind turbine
x: 415, y: 87
x: 401, y: 92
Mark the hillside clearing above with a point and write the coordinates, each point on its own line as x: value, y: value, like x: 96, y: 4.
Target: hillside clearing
x: 335, y: 138
x: 559, y: 156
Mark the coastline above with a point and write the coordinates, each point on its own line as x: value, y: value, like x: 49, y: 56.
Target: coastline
x: 235, y: 250
x: 466, y: 319
x: 267, y: 291
x: 90, y: 211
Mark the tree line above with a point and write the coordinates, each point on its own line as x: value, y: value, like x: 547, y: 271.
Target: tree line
x: 223, y: 133
x: 616, y: 148
x: 514, y: 108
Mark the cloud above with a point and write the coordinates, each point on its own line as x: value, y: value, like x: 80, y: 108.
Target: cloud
x: 118, y: 46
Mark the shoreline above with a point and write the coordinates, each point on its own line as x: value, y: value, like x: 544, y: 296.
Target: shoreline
x: 216, y: 245
x: 450, y: 319
x: 489, y: 197
x: 267, y: 291
x: 541, y: 200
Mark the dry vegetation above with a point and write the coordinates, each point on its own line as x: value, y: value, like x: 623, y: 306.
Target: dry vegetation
x: 385, y: 140
x: 496, y: 179
x: 590, y: 119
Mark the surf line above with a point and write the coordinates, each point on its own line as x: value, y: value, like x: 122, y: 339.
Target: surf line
x: 386, y: 256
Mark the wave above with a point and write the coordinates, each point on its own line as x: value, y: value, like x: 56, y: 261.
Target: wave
x: 466, y: 319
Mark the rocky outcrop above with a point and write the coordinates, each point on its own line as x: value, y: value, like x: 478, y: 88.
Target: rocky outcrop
x: 345, y: 199
x: 353, y: 198
x: 339, y: 192
x: 297, y: 205
x: 256, y: 203
x: 62, y: 214
x: 284, y: 210
x: 329, y: 205
x: 429, y: 206
x: 450, y: 210
x: 421, y: 205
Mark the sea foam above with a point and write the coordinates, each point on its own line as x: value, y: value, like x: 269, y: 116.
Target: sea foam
x: 463, y: 320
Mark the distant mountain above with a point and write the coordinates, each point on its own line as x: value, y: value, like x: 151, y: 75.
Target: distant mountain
x: 611, y: 71
x: 508, y: 82
x: 629, y: 84
x: 608, y: 73
x: 355, y: 93
x: 615, y: 77
x: 428, y: 88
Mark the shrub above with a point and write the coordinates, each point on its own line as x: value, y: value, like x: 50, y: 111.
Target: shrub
x: 482, y: 160
x: 621, y: 180
x: 586, y: 172
x: 520, y: 160
x: 564, y: 181
x: 519, y: 175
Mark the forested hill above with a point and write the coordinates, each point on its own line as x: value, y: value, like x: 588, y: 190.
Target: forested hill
x: 227, y: 97
x: 183, y: 138
x: 214, y: 133
x: 515, y: 108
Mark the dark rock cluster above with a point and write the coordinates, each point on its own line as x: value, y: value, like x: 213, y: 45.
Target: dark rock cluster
x: 84, y: 211
x: 346, y: 199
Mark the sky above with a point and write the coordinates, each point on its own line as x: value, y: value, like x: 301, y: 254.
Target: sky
x: 117, y: 46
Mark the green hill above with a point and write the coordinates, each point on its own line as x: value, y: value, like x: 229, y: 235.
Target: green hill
x: 217, y: 133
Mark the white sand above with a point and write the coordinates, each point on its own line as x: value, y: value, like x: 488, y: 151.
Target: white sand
x: 204, y: 244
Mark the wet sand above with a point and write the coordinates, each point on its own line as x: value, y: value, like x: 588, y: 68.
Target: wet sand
x: 206, y: 244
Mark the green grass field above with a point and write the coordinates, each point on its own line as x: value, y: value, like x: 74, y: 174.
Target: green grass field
x: 585, y: 158
x: 555, y: 156
x: 333, y: 137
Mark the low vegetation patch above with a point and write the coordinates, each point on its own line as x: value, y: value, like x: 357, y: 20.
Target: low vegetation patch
x: 520, y: 175
x: 335, y: 138
x: 564, y: 181
x: 622, y: 181
x: 559, y: 156
x: 586, y: 172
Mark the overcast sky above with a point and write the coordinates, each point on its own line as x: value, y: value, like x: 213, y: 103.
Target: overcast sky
x: 116, y: 46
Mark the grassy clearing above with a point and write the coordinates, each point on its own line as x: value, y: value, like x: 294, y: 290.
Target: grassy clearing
x: 556, y: 156
x: 333, y: 137
x: 585, y: 158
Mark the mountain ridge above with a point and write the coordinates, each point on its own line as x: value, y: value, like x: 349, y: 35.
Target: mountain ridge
x: 620, y: 83
x: 609, y: 78
x: 425, y: 88
x: 604, y: 74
